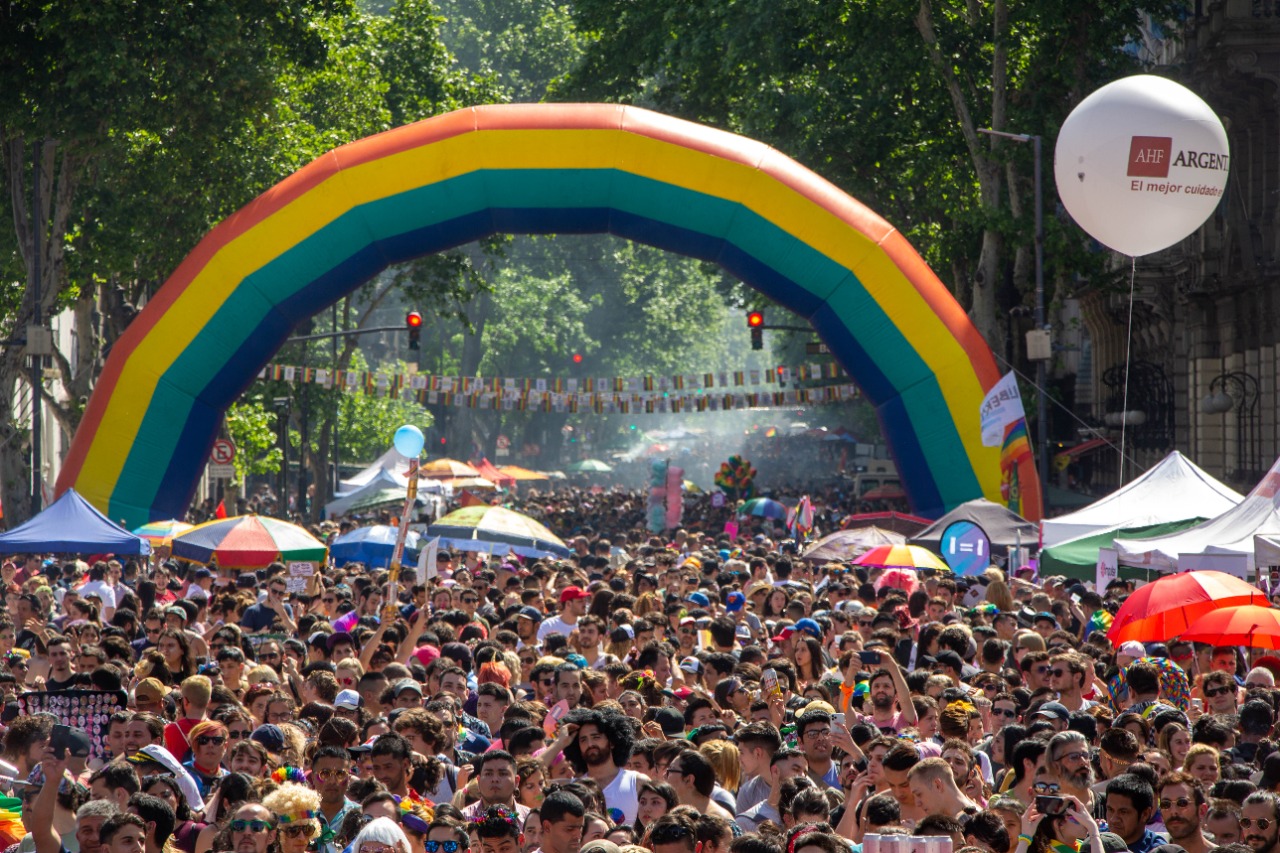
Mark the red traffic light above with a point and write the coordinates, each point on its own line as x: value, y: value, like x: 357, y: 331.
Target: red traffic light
x: 755, y: 319
x: 577, y: 358
x: 413, y: 319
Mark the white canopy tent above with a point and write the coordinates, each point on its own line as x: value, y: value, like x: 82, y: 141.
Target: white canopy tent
x: 1173, y: 490
x: 1229, y: 534
x: 1266, y: 550
x: 390, y: 462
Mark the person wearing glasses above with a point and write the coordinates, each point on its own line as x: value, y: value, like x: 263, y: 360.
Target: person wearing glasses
x: 1069, y: 763
x: 329, y: 777
x: 252, y: 829
x: 271, y: 615
x: 445, y: 835
x: 295, y: 809
x: 208, y: 740
x: 1071, y: 674
x: 1183, y: 806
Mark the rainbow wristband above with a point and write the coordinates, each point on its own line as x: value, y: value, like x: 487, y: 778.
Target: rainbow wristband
x: 1025, y: 838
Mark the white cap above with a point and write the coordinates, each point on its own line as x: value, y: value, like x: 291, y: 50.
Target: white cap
x: 1133, y: 649
x: 348, y: 700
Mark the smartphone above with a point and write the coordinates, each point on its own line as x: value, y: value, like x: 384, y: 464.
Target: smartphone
x: 1051, y: 806
x: 838, y: 718
x: 769, y: 682
x: 869, y: 657
x: 1198, y: 704
x: 59, y: 740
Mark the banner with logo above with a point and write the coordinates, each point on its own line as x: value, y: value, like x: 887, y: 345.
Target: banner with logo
x: 1000, y: 408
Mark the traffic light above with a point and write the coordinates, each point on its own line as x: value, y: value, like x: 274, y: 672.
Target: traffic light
x: 413, y: 322
x: 755, y: 322
x: 577, y: 358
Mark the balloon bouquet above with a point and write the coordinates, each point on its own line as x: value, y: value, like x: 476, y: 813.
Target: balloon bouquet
x: 736, y: 478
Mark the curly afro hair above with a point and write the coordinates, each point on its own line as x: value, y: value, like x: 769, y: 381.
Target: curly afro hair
x: 621, y: 730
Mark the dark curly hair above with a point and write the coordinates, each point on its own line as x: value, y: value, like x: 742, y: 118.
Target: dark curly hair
x: 621, y: 730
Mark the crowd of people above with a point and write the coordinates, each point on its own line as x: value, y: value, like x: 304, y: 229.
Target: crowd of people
x: 682, y: 693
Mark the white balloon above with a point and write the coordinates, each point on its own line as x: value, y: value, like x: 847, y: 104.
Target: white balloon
x: 1141, y: 163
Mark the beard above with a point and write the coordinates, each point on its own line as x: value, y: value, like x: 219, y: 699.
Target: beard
x: 1081, y: 779
x: 882, y: 701
x: 1179, y: 827
x: 594, y: 756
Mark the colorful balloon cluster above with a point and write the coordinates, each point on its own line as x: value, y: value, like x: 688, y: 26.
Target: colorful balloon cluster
x: 736, y: 478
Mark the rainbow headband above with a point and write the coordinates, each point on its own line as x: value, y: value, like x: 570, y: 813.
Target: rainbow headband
x: 543, y: 169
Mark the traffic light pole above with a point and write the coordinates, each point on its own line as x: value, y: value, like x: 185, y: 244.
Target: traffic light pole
x: 350, y: 333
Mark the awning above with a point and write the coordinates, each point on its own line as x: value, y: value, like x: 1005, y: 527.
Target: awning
x: 1074, y: 453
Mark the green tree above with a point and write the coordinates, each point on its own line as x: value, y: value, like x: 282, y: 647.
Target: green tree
x: 886, y: 98
x: 253, y: 431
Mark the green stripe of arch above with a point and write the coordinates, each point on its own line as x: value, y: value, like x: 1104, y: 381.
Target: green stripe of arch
x: 295, y: 268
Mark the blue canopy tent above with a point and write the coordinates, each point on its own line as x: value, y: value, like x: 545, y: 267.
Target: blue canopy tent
x: 372, y: 546
x: 71, y: 525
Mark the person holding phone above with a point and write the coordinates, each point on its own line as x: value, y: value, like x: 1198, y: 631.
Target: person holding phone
x: 891, y: 708
x: 1064, y: 829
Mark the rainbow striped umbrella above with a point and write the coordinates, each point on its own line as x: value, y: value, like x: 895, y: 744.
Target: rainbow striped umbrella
x: 248, y: 542
x: 902, y: 557
x: 161, y: 532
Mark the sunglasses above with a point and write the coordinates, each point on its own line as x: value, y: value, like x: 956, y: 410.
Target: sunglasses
x: 206, y: 740
x: 1057, y: 673
x: 330, y: 775
x: 1211, y: 692
x: 252, y: 826
x: 437, y: 846
x: 1004, y: 712
x: 1262, y: 823
x: 1045, y: 787
x: 239, y: 734
x: 468, y: 601
x: 1181, y: 802
x: 546, y: 682
x: 1073, y: 756
x: 269, y: 655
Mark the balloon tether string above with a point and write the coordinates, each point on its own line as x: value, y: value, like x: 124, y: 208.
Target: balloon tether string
x: 1128, y: 346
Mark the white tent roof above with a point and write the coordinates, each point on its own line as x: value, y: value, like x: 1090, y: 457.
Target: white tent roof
x: 1173, y: 490
x: 1266, y: 550
x: 1229, y: 533
x: 390, y: 462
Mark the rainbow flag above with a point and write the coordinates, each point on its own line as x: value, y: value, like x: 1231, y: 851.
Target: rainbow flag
x: 1017, y: 443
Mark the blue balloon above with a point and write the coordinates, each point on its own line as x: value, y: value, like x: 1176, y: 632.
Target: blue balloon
x: 409, y: 440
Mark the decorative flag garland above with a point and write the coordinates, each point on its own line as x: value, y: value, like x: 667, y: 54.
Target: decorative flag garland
x: 621, y: 395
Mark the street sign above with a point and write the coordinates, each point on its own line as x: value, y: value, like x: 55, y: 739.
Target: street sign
x: 224, y: 452
x: 816, y: 348
x: 221, y: 472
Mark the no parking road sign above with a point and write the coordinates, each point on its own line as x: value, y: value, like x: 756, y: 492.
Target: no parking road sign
x: 220, y: 459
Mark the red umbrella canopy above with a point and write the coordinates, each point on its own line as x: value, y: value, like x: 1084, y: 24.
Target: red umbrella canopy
x: 1248, y: 625
x: 1165, y: 608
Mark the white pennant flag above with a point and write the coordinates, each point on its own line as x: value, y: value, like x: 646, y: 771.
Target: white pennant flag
x: 1000, y: 407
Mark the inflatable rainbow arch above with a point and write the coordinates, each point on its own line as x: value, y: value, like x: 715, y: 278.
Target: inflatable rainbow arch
x: 545, y: 169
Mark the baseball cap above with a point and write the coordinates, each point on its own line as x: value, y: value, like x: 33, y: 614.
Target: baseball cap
x: 340, y: 637
x: 949, y: 658
x: 78, y: 742
x: 743, y: 632
x: 1132, y: 648
x: 699, y: 599
x: 1054, y: 709
x: 269, y: 735
x: 573, y: 593
x: 150, y: 689
x: 1111, y: 843
x: 784, y: 634
x: 671, y: 720
x: 348, y: 700
x: 529, y: 612
x: 691, y: 665
x: 407, y: 685
x: 734, y: 602
x: 810, y: 627
x: 202, y: 573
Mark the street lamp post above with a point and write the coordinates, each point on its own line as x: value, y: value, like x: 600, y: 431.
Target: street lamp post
x: 1042, y: 424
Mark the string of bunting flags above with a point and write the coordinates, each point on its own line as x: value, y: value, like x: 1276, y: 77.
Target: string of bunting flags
x: 720, y: 391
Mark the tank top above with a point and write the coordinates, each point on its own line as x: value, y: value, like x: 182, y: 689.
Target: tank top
x: 622, y: 797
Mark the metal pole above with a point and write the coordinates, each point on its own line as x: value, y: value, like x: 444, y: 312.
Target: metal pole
x: 37, y: 231
x: 337, y: 410
x: 1042, y: 421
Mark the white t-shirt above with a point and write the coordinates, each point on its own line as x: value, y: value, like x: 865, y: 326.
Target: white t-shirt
x: 555, y: 625
x: 101, y: 589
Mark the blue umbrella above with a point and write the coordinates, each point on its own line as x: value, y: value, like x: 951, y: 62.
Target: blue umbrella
x: 763, y: 508
x: 371, y: 546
